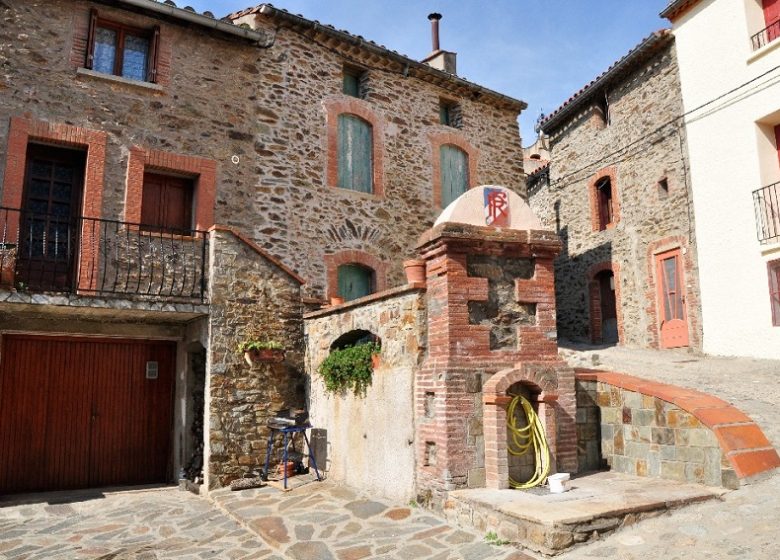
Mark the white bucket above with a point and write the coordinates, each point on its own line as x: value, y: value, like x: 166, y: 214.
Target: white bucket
x: 558, y: 482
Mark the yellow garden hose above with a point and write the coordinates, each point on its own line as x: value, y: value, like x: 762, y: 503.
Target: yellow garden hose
x: 523, y: 439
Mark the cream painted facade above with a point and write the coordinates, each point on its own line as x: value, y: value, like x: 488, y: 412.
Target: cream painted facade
x: 731, y: 96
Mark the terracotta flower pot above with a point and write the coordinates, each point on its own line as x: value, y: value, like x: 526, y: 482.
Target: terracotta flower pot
x: 415, y: 271
x: 266, y: 355
x: 336, y: 300
x: 376, y: 359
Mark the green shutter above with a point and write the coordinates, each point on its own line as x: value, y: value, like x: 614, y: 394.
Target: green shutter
x: 351, y: 85
x: 454, y: 173
x: 355, y: 151
x: 444, y: 114
x: 354, y: 281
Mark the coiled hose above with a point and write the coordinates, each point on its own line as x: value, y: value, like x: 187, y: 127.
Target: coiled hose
x: 523, y: 439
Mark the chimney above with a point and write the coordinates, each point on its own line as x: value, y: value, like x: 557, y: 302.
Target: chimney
x: 439, y: 59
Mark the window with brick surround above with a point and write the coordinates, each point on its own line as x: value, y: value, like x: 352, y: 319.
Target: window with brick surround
x: 355, y: 281
x: 605, y: 202
x: 166, y: 203
x: 355, y: 153
x: 122, y: 50
x: 774, y: 290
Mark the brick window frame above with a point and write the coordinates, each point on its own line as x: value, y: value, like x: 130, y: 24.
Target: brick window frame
x: 359, y: 108
x: 23, y: 131
x: 595, y: 215
x: 203, y: 172
x: 81, y: 40
x: 354, y: 256
x: 773, y: 272
x: 439, y: 139
x: 594, y: 300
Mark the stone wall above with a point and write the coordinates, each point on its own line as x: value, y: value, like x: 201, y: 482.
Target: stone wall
x: 641, y: 146
x: 261, y: 115
x: 371, y: 437
x: 251, y: 298
x: 645, y: 436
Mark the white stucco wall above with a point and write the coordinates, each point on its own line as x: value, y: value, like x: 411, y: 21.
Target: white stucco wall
x: 732, y: 153
x: 371, y: 437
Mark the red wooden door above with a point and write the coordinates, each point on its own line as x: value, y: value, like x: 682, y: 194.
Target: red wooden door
x: 80, y: 412
x: 672, y: 314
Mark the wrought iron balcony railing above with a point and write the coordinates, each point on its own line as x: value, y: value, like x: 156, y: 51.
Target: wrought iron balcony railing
x: 766, y: 35
x: 91, y: 256
x: 766, y: 202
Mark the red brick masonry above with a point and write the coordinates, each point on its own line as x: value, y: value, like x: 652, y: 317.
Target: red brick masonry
x: 741, y: 440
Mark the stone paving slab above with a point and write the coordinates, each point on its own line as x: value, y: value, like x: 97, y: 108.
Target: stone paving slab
x: 142, y: 524
x: 324, y: 521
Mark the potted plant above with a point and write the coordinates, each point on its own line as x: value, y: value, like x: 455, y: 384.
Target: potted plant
x: 415, y: 271
x: 262, y: 351
x: 350, y: 368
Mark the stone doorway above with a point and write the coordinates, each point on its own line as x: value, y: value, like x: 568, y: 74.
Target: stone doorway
x: 604, y: 303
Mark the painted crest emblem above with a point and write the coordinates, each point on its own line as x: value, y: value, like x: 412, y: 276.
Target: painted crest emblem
x: 496, y: 207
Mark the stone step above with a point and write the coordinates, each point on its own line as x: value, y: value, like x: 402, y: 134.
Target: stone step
x: 596, y: 504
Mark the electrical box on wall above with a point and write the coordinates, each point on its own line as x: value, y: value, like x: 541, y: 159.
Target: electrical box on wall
x: 152, y: 370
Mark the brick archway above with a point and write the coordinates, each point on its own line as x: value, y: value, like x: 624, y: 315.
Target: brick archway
x: 594, y: 300
x: 542, y: 380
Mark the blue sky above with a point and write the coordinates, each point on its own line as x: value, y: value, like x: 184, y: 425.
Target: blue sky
x: 540, y: 51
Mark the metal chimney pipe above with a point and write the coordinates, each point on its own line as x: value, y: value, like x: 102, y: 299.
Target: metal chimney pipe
x: 434, y: 17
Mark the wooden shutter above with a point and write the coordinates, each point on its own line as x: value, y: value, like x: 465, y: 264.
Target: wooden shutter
x: 154, y: 53
x: 166, y: 204
x: 454, y: 164
x: 93, y: 18
x: 355, y: 150
x: 771, y: 11
x: 355, y: 281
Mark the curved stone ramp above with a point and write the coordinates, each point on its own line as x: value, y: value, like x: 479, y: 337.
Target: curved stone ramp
x: 741, y: 441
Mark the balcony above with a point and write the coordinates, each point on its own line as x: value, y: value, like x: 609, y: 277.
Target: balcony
x: 96, y: 257
x: 766, y: 202
x: 766, y: 35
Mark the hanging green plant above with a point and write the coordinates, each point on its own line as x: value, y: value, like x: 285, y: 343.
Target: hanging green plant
x: 349, y: 368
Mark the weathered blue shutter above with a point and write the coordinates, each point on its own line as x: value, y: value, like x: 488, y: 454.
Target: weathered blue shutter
x: 454, y: 173
x: 354, y: 281
x: 355, y: 150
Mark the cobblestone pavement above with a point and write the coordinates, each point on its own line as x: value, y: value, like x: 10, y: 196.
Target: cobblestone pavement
x: 143, y: 524
x: 745, y: 523
x: 325, y: 521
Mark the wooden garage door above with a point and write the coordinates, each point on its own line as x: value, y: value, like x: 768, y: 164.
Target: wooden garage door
x: 81, y: 413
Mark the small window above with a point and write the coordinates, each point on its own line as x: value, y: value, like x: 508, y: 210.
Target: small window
x: 774, y: 290
x: 663, y: 188
x: 355, y: 154
x: 355, y: 281
x: 605, y: 202
x: 354, y: 82
x: 121, y: 50
x: 454, y: 167
x: 166, y: 204
x: 450, y: 114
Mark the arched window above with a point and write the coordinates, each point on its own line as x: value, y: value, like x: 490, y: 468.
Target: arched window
x: 355, y: 151
x: 454, y: 173
x: 355, y: 281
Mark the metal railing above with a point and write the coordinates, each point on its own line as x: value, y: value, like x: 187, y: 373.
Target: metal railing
x: 92, y: 256
x: 766, y: 35
x: 766, y: 202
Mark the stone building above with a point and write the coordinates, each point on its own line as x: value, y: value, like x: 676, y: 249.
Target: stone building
x: 617, y: 193
x: 174, y: 185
